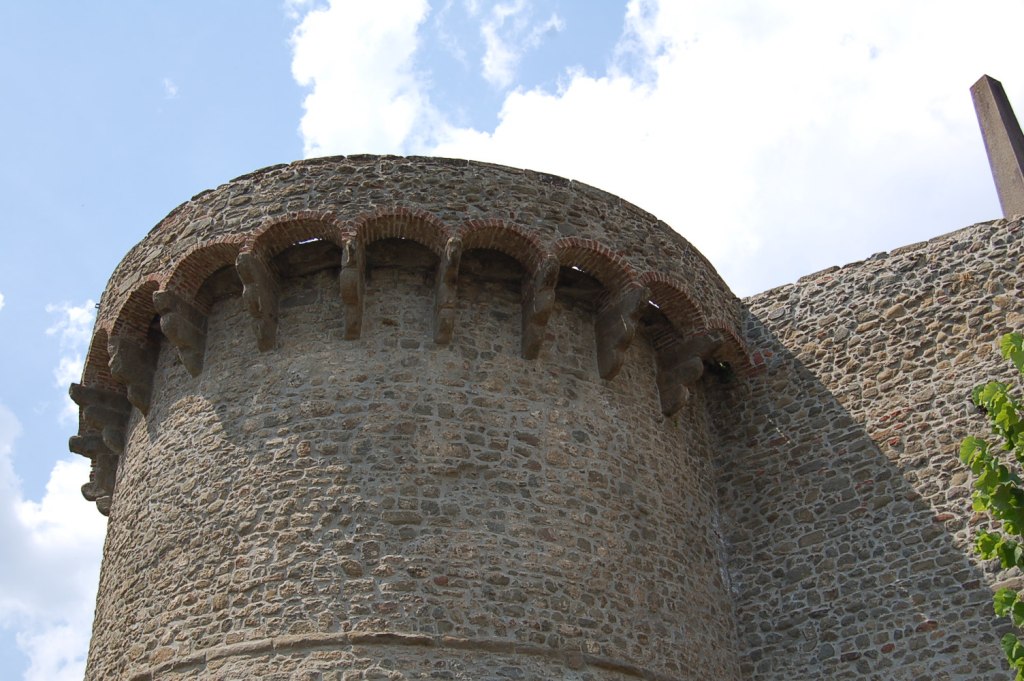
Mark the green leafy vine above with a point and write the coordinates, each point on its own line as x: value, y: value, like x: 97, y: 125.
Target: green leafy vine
x: 999, y: 490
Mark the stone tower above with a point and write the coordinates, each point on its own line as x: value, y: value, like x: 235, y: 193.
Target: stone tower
x: 409, y: 418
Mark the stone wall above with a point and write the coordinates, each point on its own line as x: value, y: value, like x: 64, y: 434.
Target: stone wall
x: 451, y: 192
x: 846, y: 511
x: 404, y: 418
x: 384, y: 502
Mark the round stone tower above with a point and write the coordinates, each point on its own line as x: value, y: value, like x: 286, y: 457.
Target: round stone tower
x: 408, y: 418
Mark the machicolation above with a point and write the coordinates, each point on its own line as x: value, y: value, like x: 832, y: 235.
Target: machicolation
x: 411, y: 418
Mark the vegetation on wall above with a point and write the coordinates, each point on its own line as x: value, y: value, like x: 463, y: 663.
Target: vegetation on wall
x: 998, y: 466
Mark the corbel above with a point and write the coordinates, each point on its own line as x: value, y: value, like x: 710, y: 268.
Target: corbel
x: 105, y: 409
x: 615, y: 327
x: 681, y: 365
x: 89, y: 445
x: 538, y: 302
x: 102, y: 468
x: 132, y: 363
x: 100, y: 488
x: 446, y: 293
x: 184, y: 325
x: 353, y: 285
x: 102, y: 476
x: 260, y: 294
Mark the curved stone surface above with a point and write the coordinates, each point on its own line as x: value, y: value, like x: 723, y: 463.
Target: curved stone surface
x: 369, y: 194
x: 408, y: 418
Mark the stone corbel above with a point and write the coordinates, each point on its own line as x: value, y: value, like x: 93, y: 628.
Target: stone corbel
x: 132, y: 363
x: 446, y: 294
x: 102, y: 469
x: 681, y: 365
x: 615, y: 327
x: 89, y: 445
x: 185, y: 327
x: 107, y: 410
x: 101, y: 478
x: 100, y: 488
x: 538, y: 302
x: 260, y: 297
x: 353, y: 286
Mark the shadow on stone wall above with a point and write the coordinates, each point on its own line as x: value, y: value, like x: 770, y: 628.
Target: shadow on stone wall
x: 388, y: 502
x: 840, y: 567
x: 845, y: 510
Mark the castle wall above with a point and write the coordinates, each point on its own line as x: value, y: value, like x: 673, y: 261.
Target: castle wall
x: 387, y: 505
x: 379, y: 417
x: 451, y: 191
x: 846, y: 510
x: 387, y: 485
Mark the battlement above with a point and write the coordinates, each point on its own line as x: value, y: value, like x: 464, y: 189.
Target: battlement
x: 441, y: 400
x: 242, y: 238
x: 381, y: 417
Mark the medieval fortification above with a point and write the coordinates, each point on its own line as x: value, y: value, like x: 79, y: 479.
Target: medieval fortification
x: 410, y: 418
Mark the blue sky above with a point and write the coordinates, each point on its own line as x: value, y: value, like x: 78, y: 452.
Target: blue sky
x: 779, y: 137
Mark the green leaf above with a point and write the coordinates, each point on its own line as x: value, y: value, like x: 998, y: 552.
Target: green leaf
x: 999, y: 490
x: 1011, y: 346
x: 1007, y: 554
x: 1014, y: 650
x: 985, y: 544
x: 1009, y: 642
x: 1001, y: 496
x: 1017, y: 614
x: 971, y: 446
x: 1003, y: 600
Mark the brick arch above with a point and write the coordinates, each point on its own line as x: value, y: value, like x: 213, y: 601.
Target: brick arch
x: 733, y: 350
x: 512, y: 240
x: 674, y: 300
x: 402, y: 223
x: 189, y: 274
x: 597, y: 260
x: 96, y: 373
x: 272, y: 236
x: 135, y: 316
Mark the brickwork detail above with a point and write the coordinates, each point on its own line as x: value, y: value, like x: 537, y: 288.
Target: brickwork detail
x: 377, y: 417
x: 416, y: 438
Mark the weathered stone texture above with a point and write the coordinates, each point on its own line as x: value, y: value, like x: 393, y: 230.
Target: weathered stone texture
x: 340, y: 505
x: 846, y: 510
x: 402, y: 418
x: 451, y: 191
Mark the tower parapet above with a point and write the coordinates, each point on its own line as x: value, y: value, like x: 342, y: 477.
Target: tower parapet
x: 407, y: 416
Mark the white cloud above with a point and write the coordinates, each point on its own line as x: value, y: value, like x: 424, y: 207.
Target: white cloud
x: 499, y: 60
x: 73, y: 329
x: 68, y: 371
x: 1, y: 301
x: 357, y: 60
x: 507, y: 36
x: 449, y: 40
x: 293, y: 8
x: 74, y: 326
x: 779, y: 137
x: 537, y: 32
x: 47, y: 594
x: 500, y: 57
x: 170, y: 89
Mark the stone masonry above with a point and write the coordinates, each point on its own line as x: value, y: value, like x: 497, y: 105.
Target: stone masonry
x: 846, y: 510
x: 408, y: 418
